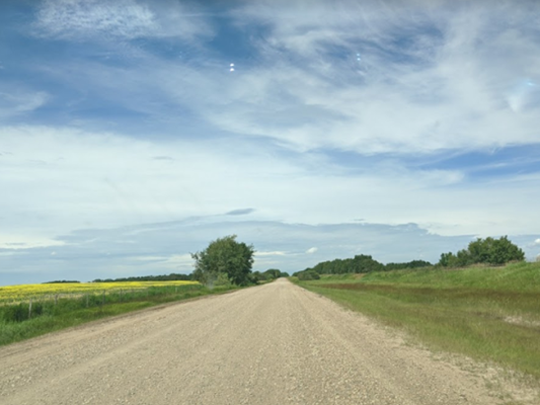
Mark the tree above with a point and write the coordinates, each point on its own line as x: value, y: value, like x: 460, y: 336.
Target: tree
x: 503, y: 251
x: 358, y: 264
x: 224, y: 256
x: 308, y: 274
x: 489, y: 250
x: 268, y: 275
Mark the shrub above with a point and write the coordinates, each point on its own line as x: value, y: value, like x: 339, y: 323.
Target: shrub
x: 307, y: 275
x: 15, y: 313
x: 489, y: 251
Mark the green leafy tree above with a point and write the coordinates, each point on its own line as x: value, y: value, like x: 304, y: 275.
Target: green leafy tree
x: 480, y: 250
x: 358, y: 264
x: 272, y: 274
x: 489, y: 251
x: 464, y: 258
x: 224, y: 256
x: 503, y: 251
x: 268, y: 275
x: 308, y: 274
x: 257, y: 276
x: 448, y: 260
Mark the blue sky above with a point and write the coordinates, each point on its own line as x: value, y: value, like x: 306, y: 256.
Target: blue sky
x: 135, y: 132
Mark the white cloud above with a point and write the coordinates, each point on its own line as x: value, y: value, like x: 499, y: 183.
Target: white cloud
x: 450, y: 88
x: 150, y: 258
x: 67, y: 179
x: 84, y: 18
x: 312, y: 250
x: 443, y: 90
x: 177, y: 263
x: 537, y: 242
x: 274, y: 253
x: 127, y: 19
x: 11, y: 239
x: 17, y: 102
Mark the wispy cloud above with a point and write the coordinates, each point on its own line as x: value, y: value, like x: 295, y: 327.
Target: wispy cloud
x: 274, y: 253
x: 166, y: 158
x: 16, y: 102
x: 102, y: 179
x: 124, y: 19
x: 431, y: 70
x: 241, y: 211
x: 86, y: 18
x: 435, y: 65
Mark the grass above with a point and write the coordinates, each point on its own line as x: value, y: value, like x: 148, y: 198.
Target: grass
x: 490, y: 314
x: 68, y: 312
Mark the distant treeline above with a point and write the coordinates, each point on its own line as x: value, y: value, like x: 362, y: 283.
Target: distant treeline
x: 164, y: 277
x: 409, y: 265
x: 358, y: 264
x: 488, y: 251
x: 268, y: 275
x: 61, y: 282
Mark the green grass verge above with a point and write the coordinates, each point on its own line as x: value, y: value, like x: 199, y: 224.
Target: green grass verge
x: 489, y: 314
x: 72, y: 312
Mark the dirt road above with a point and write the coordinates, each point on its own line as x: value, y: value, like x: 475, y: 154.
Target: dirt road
x: 272, y: 344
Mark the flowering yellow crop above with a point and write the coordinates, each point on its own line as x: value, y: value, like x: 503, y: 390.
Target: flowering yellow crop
x: 23, y: 292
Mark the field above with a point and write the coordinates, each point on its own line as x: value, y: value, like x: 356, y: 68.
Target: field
x: 489, y: 314
x: 26, y: 292
x: 35, y: 309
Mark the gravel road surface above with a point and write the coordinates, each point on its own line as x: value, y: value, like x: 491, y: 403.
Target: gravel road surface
x: 271, y: 344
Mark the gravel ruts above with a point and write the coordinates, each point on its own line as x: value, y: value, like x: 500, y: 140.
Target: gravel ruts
x: 272, y: 344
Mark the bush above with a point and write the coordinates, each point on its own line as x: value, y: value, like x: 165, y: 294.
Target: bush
x: 307, y: 275
x: 15, y: 313
x: 488, y: 251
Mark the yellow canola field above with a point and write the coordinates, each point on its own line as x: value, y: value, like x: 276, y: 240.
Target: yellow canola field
x: 26, y: 291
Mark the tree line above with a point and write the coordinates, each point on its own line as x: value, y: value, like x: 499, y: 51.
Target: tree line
x: 268, y: 275
x: 164, y: 277
x: 488, y: 251
x: 358, y: 264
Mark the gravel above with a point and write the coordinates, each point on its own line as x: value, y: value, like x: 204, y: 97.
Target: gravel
x: 271, y: 344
